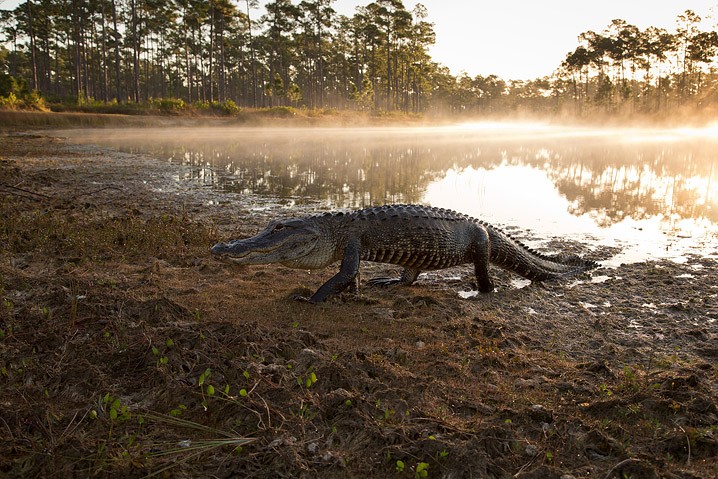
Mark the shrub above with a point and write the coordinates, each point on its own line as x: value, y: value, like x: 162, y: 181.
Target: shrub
x: 282, y: 111
x: 10, y: 102
x: 8, y: 85
x: 227, y: 107
x: 167, y: 105
x: 200, y: 106
x: 35, y: 101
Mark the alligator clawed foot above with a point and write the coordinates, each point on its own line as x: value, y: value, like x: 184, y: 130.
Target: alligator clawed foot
x: 303, y: 299
x: 383, y: 281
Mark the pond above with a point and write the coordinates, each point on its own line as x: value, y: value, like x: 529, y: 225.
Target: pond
x: 651, y: 192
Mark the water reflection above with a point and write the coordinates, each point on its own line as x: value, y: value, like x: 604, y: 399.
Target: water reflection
x: 496, y: 171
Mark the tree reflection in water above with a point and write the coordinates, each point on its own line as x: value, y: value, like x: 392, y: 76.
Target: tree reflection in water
x: 607, y: 175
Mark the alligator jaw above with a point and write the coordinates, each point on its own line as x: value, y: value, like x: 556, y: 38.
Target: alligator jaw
x: 239, y: 252
x: 284, y: 241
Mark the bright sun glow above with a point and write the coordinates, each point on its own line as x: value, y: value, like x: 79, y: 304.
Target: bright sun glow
x: 708, y: 131
x: 489, y: 126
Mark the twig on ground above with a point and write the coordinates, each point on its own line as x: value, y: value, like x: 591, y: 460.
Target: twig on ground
x: 22, y: 192
x: 618, y: 466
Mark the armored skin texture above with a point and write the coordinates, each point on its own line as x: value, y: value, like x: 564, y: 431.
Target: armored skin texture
x: 415, y: 237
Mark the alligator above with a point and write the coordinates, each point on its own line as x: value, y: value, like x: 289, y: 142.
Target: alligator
x: 412, y: 236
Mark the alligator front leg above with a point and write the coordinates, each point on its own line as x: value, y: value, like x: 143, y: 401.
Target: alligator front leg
x: 344, y: 278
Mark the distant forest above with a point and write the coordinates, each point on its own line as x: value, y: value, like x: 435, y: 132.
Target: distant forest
x: 221, y: 53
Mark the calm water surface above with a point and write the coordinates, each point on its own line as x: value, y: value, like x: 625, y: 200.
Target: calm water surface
x: 651, y: 192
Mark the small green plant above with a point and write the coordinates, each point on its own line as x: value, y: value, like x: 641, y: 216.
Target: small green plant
x: 204, y: 376
x: 605, y: 390
x: 176, y: 412
x: 305, y: 412
x: 630, y: 382
x: 400, y: 466
x: 208, y: 391
x: 422, y: 470
x: 161, y: 356
x: 634, y: 408
x: 114, y: 409
x: 161, y: 359
x: 311, y: 380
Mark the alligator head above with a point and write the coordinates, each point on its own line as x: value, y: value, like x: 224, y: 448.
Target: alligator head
x: 292, y: 242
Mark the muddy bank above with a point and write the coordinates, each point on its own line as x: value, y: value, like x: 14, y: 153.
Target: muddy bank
x: 125, y: 350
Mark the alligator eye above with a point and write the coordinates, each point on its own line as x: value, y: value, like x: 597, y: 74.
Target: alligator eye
x: 278, y: 227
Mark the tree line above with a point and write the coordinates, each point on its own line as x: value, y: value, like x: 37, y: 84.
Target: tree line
x: 301, y: 54
x: 620, y: 70
x: 306, y: 55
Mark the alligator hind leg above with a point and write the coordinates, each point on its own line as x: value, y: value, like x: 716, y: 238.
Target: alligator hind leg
x: 483, y: 280
x: 482, y: 259
x: 408, y: 276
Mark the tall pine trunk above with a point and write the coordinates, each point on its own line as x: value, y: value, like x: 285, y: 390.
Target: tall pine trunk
x: 135, y: 53
x: 117, y: 53
x: 33, y: 56
x: 254, y: 66
x: 211, y: 49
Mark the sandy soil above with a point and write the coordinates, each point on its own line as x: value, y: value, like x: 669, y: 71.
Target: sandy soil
x: 127, y: 351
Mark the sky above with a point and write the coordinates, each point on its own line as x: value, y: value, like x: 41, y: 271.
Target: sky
x: 523, y: 40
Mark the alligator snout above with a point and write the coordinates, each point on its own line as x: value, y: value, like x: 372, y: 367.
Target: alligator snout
x: 223, y: 252
x: 220, y: 249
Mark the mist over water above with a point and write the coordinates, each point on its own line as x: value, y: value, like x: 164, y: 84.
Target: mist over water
x: 652, y: 192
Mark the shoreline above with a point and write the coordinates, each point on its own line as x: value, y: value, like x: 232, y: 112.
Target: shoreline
x: 19, y: 120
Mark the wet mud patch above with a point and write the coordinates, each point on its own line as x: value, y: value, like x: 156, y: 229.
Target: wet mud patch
x: 125, y: 350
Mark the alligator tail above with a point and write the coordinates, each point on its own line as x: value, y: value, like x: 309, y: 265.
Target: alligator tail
x: 513, y: 255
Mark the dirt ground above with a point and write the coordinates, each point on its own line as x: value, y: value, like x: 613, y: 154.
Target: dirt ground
x: 127, y: 351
